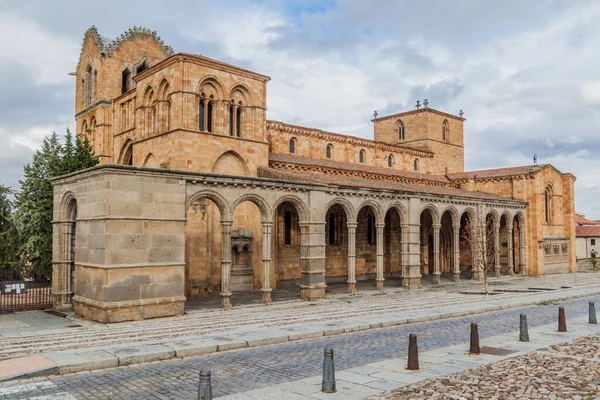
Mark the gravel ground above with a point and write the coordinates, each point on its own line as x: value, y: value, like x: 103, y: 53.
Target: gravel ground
x: 564, y: 371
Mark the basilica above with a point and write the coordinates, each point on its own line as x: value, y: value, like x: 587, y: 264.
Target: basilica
x: 198, y: 193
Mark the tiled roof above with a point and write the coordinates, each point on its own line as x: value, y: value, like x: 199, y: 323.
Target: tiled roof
x: 364, y: 183
x: 343, y: 166
x: 587, y: 231
x: 417, y: 111
x: 581, y: 220
x: 497, y: 173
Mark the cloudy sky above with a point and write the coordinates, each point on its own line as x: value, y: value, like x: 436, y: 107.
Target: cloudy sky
x: 526, y: 73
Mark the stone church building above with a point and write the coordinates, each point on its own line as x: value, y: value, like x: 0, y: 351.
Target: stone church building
x: 197, y: 192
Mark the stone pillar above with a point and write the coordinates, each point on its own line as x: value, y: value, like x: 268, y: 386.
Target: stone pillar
x: 226, y: 264
x: 234, y: 119
x: 267, y: 228
x: 521, y: 250
x: 436, y: 253
x: 312, y: 260
x: 403, y: 251
x: 205, y: 103
x: 509, y: 230
x: 497, y: 248
x: 352, y: 257
x: 456, y: 260
x: 62, y: 266
x: 412, y: 278
x: 379, y: 228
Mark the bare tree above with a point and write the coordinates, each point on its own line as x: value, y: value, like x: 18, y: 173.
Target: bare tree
x: 480, y: 236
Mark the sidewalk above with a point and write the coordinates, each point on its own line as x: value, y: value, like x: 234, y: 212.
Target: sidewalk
x: 90, y: 346
x: 376, y: 378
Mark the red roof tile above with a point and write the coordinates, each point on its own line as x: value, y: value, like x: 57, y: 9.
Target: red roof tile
x: 343, y: 166
x: 587, y: 231
x: 357, y: 182
x: 581, y: 220
x: 497, y: 173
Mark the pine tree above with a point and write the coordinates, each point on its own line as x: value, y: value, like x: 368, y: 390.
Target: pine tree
x: 35, y: 200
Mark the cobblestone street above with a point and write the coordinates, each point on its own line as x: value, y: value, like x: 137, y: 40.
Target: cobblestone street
x: 242, y: 370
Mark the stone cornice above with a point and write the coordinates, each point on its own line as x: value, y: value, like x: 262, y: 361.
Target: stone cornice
x: 418, y: 111
x: 353, y: 140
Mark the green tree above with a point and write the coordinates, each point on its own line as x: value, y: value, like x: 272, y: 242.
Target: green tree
x: 35, y: 200
x: 9, y: 235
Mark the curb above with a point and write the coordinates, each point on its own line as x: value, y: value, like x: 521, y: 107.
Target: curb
x: 102, y: 358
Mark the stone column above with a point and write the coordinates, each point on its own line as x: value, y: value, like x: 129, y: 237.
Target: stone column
x: 205, y: 116
x: 521, y: 250
x: 267, y: 228
x: 379, y: 228
x: 412, y: 278
x: 403, y: 252
x: 436, y: 254
x: 312, y: 259
x: 226, y: 264
x: 234, y: 119
x: 62, y: 265
x: 497, y: 248
x: 456, y: 259
x: 509, y: 230
x: 352, y: 257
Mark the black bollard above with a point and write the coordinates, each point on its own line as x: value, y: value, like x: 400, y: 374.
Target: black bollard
x: 592, y: 314
x: 475, y: 349
x: 524, y: 332
x: 413, y: 353
x: 562, y: 320
x: 328, y: 385
x: 205, y: 386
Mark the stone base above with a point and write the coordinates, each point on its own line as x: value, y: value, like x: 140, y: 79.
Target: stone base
x: 266, y: 299
x: 457, y: 277
x: 411, y: 282
x: 312, y: 293
x: 477, y: 275
x: 128, y: 310
x: 437, y: 278
x: 352, y: 288
x: 226, y: 301
x: 380, y: 285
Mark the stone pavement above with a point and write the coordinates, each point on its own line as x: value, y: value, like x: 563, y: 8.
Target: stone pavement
x: 244, y: 370
x: 85, y: 345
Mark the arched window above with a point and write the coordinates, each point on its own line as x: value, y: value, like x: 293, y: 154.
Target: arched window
x: 205, y: 114
x: 328, y: 151
x: 89, y: 85
x: 231, y: 120
x: 128, y: 155
x: 416, y: 164
x: 209, y: 114
x: 201, y: 115
x: 125, y: 78
x: 400, y: 130
x: 445, y: 131
x: 142, y: 67
x: 288, y: 228
x: 548, y: 203
x: 332, y: 228
x: 361, y: 157
x: 370, y: 229
x: 238, y: 121
x: 390, y: 161
x: 292, y: 145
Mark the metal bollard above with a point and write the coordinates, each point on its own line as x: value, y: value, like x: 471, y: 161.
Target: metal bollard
x: 524, y: 332
x: 205, y: 386
x: 562, y: 321
x: 474, y: 349
x: 592, y: 314
x: 328, y: 385
x: 413, y: 353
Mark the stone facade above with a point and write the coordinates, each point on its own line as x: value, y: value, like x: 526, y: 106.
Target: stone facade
x: 197, y: 193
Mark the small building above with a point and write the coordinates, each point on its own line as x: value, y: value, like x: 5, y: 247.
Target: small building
x: 588, y: 241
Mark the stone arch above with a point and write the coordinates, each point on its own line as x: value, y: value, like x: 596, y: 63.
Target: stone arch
x: 258, y: 200
x: 435, y: 212
x: 142, y: 65
x: 220, y: 201
x: 520, y: 218
x: 163, y: 89
x: 148, y: 97
x: 495, y: 215
x: 453, y: 213
x: 377, y: 210
x: 400, y: 208
x: 240, y: 93
x: 469, y: 211
x: 84, y: 127
x: 126, y: 155
x: 211, y: 85
x: 65, y: 204
x: 346, y: 205
x: 151, y: 161
x: 298, y: 203
x: 230, y: 163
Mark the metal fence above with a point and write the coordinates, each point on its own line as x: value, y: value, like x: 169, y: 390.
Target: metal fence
x: 22, y: 290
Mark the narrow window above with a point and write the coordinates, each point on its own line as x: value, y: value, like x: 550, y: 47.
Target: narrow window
x: 416, y: 164
x: 125, y: 80
x: 361, y: 157
x: 328, y: 151
x: 400, y: 131
x: 231, y: 120
x: 548, y: 203
x: 445, y: 131
x: 593, y: 242
x: 201, y: 115
x: 390, y: 161
x: 370, y: 229
x: 288, y: 228
x: 238, y: 127
x: 141, y: 68
x: 209, y: 115
x: 292, y: 146
x: 331, y: 228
